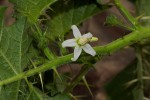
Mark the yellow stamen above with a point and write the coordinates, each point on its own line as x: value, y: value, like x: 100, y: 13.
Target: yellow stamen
x: 83, y: 41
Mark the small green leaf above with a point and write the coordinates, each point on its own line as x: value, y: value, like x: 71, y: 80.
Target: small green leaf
x: 112, y: 20
x: 32, y: 9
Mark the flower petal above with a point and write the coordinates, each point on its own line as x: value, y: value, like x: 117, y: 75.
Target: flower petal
x: 77, y: 52
x: 69, y: 43
x: 76, y: 31
x: 88, y: 49
x: 88, y: 35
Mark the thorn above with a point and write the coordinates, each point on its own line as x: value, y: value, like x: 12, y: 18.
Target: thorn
x: 40, y: 74
x: 55, y: 70
x: 140, y: 16
x: 73, y: 96
x: 86, y: 84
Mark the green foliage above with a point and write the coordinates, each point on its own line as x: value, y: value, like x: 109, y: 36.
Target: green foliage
x: 67, y: 13
x: 32, y: 9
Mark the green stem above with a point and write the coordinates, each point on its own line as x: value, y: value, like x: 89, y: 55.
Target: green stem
x: 139, y: 65
x: 126, y: 14
x: 124, y: 41
x: 51, y: 56
x: 139, y: 95
x: 101, y: 50
x: 42, y: 68
x: 48, y: 53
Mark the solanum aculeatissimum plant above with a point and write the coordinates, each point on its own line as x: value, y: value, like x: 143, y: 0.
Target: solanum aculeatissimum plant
x: 20, y: 56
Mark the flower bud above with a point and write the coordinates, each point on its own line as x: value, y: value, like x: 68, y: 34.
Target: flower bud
x: 93, y: 39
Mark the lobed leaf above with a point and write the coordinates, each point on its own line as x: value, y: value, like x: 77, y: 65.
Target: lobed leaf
x: 14, y: 43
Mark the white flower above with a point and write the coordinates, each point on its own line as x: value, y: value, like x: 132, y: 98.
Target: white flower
x: 80, y: 42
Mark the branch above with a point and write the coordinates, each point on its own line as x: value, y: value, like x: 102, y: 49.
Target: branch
x: 126, y: 14
x: 101, y: 50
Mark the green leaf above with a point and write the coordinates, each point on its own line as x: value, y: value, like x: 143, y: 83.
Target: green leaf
x: 14, y: 44
x: 67, y: 13
x: 32, y: 9
x: 112, y: 20
x: 122, y: 87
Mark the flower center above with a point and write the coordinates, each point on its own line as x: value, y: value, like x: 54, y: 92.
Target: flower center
x: 83, y: 41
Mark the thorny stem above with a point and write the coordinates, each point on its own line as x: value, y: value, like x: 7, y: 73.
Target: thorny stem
x: 126, y: 14
x: 129, y: 39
